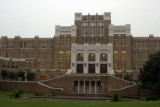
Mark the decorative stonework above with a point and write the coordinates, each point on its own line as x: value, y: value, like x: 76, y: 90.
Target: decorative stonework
x: 119, y: 29
x: 96, y: 49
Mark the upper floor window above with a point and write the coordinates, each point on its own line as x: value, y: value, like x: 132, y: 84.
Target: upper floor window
x: 68, y: 54
x: 103, y: 57
x: 61, y: 53
x: 10, y: 44
x: 84, y: 18
x: 92, y: 18
x: 68, y: 40
x: 91, y: 57
x: 123, y: 40
x: 100, y: 17
x: 116, y: 40
x: 79, y: 57
x: 61, y: 40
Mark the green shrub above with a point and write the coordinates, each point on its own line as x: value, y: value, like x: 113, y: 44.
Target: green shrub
x: 115, y: 96
x: 12, y: 75
x: 18, y: 92
x: 4, y: 74
x: 30, y: 75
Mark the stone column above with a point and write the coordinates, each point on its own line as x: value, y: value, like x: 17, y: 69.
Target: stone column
x: 78, y: 87
x: 84, y: 87
x: 95, y: 87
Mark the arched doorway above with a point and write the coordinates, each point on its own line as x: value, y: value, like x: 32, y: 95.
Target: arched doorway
x: 76, y: 87
x: 99, y: 87
x: 81, y: 87
x: 87, y: 87
x: 92, y: 87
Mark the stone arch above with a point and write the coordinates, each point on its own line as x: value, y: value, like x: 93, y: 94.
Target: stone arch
x: 91, y: 57
x: 80, y: 57
x: 81, y: 87
x: 103, y: 57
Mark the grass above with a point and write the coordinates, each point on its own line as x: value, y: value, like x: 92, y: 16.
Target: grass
x: 13, y: 102
x: 8, y: 93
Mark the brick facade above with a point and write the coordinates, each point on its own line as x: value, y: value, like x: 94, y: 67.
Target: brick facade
x: 51, y: 57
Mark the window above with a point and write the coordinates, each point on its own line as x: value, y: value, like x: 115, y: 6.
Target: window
x: 61, y: 54
x: 68, y: 54
x: 123, y: 66
x: 100, y: 18
x: 92, y: 40
x: 115, y: 40
x: 51, y: 45
x: 123, y: 40
x: 123, y: 54
x: 61, y: 40
x: 103, y: 57
x: 155, y: 44
x: 86, y: 30
x: 91, y: 30
x: 138, y: 56
x: 80, y: 57
x: 68, y: 40
x: 143, y: 55
x: 84, y: 40
x: 116, y: 54
x: 143, y: 44
x: 10, y: 44
x: 84, y: 18
x: 134, y: 44
x: 91, y: 57
x: 102, y: 30
x: 134, y: 55
x: 138, y: 44
x: 92, y: 18
x: 115, y: 66
x: 147, y: 43
x: 99, y: 30
x: 21, y: 44
x: 94, y: 30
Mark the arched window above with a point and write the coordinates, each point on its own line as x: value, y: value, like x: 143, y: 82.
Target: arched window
x: 79, y: 57
x: 103, y: 57
x: 91, y: 57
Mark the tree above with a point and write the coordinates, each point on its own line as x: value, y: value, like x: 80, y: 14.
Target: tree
x: 150, y: 74
x: 12, y: 75
x: 21, y: 74
x: 30, y: 75
x: 126, y: 77
x: 4, y: 74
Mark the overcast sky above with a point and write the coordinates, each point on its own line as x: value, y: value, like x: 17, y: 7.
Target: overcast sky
x: 27, y: 18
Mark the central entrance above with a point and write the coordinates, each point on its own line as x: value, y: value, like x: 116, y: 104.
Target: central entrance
x: 79, y: 68
x: 91, y: 68
x: 103, y: 68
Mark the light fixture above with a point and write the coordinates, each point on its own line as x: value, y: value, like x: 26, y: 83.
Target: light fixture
x: 72, y: 64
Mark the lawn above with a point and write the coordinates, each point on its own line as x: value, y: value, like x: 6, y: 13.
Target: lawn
x: 8, y: 93
x: 14, y: 102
